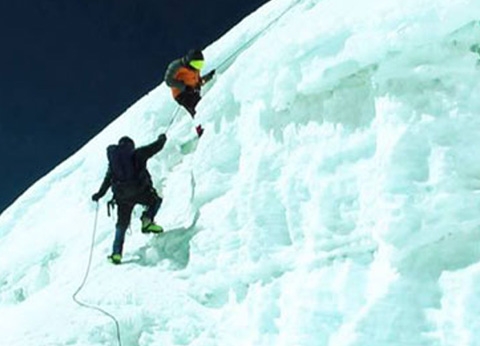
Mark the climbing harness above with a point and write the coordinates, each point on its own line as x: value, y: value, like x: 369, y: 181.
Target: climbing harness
x: 110, y: 206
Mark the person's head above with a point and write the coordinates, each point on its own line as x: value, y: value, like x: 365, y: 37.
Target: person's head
x: 126, y: 142
x: 194, y: 58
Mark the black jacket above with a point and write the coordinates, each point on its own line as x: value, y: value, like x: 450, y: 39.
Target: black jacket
x: 123, y: 191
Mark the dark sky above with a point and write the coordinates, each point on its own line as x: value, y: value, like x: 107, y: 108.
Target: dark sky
x: 70, y: 67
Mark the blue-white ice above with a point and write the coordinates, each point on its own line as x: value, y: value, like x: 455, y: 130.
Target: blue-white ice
x: 334, y: 197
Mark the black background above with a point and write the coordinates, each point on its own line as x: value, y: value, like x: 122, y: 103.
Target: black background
x: 70, y: 67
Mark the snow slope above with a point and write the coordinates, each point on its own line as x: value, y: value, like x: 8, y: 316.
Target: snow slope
x: 332, y: 200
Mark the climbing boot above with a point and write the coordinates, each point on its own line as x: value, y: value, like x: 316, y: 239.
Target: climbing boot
x: 148, y: 226
x: 115, y: 258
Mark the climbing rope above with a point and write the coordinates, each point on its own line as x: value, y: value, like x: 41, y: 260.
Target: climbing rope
x: 240, y: 49
x: 175, y: 113
x: 74, y: 296
x: 258, y: 34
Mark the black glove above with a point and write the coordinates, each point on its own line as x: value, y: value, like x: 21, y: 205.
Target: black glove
x: 208, y: 76
x: 162, y: 137
x: 96, y: 196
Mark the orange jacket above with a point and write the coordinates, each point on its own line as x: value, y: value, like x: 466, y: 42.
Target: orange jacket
x: 179, y: 76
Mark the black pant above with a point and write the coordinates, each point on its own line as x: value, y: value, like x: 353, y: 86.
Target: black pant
x: 149, y: 199
x: 189, y: 100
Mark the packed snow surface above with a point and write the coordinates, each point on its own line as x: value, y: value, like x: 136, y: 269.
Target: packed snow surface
x: 332, y: 200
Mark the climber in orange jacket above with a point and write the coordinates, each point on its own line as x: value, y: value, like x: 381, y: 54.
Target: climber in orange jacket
x: 183, y: 77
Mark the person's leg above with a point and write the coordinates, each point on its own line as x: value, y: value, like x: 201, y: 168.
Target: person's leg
x: 152, y: 202
x: 124, y: 212
x: 195, y: 99
x: 153, y: 205
x: 189, y: 101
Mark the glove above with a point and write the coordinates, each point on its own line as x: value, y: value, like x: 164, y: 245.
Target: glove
x: 208, y: 76
x: 96, y: 196
x: 162, y: 137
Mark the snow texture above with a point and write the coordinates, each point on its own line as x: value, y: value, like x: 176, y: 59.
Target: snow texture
x: 332, y: 200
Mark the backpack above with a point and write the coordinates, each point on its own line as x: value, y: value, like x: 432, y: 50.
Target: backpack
x: 129, y: 176
x: 122, y: 163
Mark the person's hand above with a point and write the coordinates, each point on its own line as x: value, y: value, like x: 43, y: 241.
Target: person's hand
x: 208, y: 76
x: 162, y: 137
x: 96, y: 196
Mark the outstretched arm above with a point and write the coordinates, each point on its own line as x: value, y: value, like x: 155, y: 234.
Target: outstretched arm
x: 208, y: 77
x: 107, y: 182
x: 144, y: 153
